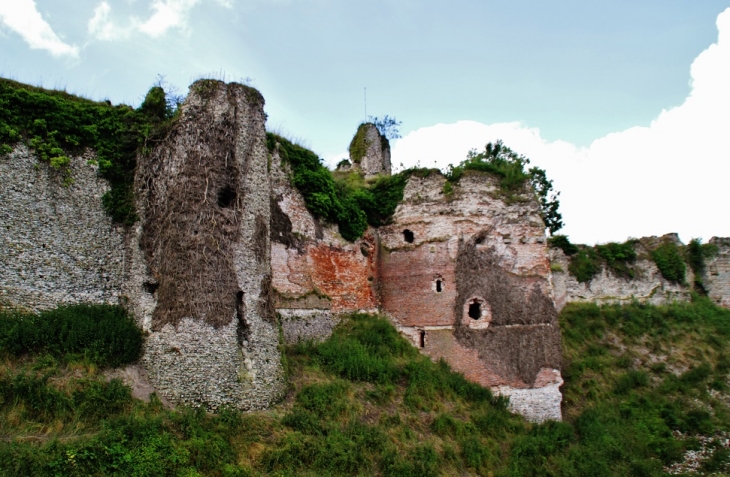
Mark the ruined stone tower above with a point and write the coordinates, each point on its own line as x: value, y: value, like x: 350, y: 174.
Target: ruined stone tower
x: 370, y: 151
x: 203, y: 271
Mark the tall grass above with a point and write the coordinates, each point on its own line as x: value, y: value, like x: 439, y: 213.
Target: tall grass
x: 365, y: 402
x: 105, y: 335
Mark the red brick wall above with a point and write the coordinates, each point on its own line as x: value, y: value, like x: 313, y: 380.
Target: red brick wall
x: 407, y: 285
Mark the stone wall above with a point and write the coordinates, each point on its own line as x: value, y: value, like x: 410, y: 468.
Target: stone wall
x: 376, y: 158
x: 466, y: 277
x: 647, y: 286
x: 57, y: 245
x: 204, y: 201
x: 717, y: 279
x: 316, y: 273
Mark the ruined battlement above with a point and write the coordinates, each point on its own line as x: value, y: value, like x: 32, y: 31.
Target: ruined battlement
x: 225, y: 254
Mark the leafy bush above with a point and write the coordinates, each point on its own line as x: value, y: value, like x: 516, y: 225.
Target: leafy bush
x: 670, y: 262
x: 105, y: 335
x: 618, y: 257
x: 509, y: 167
x: 349, y: 206
x: 562, y: 242
x: 587, y: 261
x: 697, y: 253
x: 584, y: 265
x: 56, y: 124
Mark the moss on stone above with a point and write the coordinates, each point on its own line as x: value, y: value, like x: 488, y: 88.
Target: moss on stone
x: 360, y: 144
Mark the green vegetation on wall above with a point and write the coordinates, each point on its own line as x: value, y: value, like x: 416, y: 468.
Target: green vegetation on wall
x: 697, y: 254
x: 351, y: 204
x: 365, y: 402
x: 509, y: 167
x: 359, y: 144
x: 56, y: 125
x: 668, y: 258
x: 586, y: 262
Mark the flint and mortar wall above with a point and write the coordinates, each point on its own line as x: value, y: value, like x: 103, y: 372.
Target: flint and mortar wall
x: 717, y: 279
x: 203, y: 198
x: 377, y: 155
x: 445, y: 253
x: 57, y: 245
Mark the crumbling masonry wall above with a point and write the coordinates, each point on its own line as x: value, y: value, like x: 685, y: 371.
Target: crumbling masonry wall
x: 648, y: 285
x: 717, y: 277
x: 317, y: 275
x: 57, y: 245
x: 465, y: 276
x: 203, y: 198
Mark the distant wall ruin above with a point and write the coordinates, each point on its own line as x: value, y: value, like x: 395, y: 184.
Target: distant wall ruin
x: 648, y: 285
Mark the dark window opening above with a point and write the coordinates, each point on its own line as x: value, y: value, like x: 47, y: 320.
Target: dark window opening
x: 408, y: 236
x: 475, y: 310
x: 226, y: 197
x: 422, y: 339
x: 480, y: 241
x: 364, y: 250
x: 438, y: 286
x: 150, y: 287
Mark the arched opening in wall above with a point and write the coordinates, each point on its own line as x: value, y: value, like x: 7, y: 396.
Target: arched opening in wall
x: 439, y: 286
x: 479, y: 240
x: 408, y: 236
x: 422, y: 339
x: 475, y: 310
x: 226, y: 197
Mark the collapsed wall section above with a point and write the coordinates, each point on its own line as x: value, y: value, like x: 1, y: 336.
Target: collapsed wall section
x: 465, y: 275
x: 57, y: 244
x: 204, y: 291
x: 316, y: 273
x: 646, y: 286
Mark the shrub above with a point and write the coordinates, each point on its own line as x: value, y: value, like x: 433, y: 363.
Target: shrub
x: 352, y: 207
x: 618, y: 257
x: 562, y: 242
x: 584, y: 265
x: 106, y: 335
x: 670, y: 262
x: 56, y: 124
x: 586, y: 262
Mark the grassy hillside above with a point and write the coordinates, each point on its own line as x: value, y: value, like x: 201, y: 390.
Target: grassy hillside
x: 643, y: 385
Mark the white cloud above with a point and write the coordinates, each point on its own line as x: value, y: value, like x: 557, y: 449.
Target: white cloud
x: 670, y: 176
x: 22, y: 17
x: 166, y: 15
x: 102, y: 28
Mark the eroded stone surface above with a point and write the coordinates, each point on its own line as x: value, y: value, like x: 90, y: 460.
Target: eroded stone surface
x: 717, y: 279
x: 57, y: 245
x: 204, y: 202
x: 466, y: 277
x: 647, y: 286
x: 316, y: 273
x: 377, y: 155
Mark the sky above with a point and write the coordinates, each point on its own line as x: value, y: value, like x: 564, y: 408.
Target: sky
x: 625, y: 104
